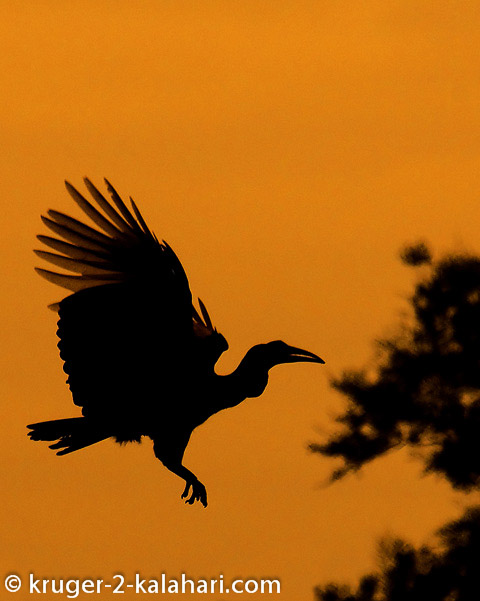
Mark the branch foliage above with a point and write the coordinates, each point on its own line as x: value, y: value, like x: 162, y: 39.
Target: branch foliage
x: 425, y: 391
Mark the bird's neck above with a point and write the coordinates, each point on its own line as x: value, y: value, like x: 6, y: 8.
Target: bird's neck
x: 247, y: 381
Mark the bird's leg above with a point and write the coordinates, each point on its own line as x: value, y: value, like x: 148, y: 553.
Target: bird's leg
x: 199, y: 492
x: 172, y: 460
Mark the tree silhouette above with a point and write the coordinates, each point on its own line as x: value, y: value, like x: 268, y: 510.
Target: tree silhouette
x: 449, y: 573
x: 425, y: 390
x: 425, y: 393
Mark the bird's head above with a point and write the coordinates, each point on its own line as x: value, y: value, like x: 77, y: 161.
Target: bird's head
x: 277, y: 352
x: 254, y: 367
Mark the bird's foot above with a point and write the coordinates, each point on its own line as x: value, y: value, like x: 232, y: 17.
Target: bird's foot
x: 199, y: 493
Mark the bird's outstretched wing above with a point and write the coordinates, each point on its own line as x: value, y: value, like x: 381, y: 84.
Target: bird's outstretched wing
x: 129, y: 330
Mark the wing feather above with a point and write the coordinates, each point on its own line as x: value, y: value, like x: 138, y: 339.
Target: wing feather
x: 76, y: 252
x: 92, y: 212
x: 122, y: 207
x: 140, y: 218
x: 206, y: 316
x: 85, y: 267
x: 77, y: 282
x: 73, y: 236
x: 103, y: 203
x: 79, y: 227
x: 130, y: 321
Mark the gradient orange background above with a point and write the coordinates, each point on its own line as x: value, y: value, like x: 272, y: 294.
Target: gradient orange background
x: 286, y: 150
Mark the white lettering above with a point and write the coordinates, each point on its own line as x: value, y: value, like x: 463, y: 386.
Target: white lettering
x: 139, y: 584
x: 72, y: 593
x: 118, y: 588
x: 234, y: 586
x: 34, y: 585
x: 190, y: 582
x: 270, y: 586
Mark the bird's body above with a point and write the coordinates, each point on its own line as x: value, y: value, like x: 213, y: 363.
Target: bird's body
x: 139, y: 357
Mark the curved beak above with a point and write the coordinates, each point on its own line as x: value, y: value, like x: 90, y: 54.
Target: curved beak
x: 297, y: 354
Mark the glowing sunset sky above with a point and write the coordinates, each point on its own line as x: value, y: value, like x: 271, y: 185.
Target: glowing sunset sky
x: 286, y: 150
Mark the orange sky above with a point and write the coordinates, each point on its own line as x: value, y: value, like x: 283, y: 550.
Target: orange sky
x: 286, y: 150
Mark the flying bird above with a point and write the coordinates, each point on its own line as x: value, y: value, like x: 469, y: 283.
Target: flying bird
x: 139, y: 356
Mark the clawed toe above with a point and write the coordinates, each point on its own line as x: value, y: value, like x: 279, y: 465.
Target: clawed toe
x: 187, y: 490
x: 199, y: 493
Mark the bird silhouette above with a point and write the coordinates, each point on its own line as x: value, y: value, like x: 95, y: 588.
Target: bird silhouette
x: 139, y: 357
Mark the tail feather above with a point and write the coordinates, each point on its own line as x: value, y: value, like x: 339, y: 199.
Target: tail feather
x: 71, y: 434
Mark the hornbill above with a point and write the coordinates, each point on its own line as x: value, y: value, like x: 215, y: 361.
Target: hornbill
x: 139, y: 357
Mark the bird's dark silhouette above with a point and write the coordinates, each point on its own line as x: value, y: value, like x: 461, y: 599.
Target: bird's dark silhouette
x: 139, y: 357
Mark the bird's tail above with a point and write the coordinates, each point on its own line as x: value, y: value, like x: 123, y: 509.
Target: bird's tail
x: 71, y: 434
